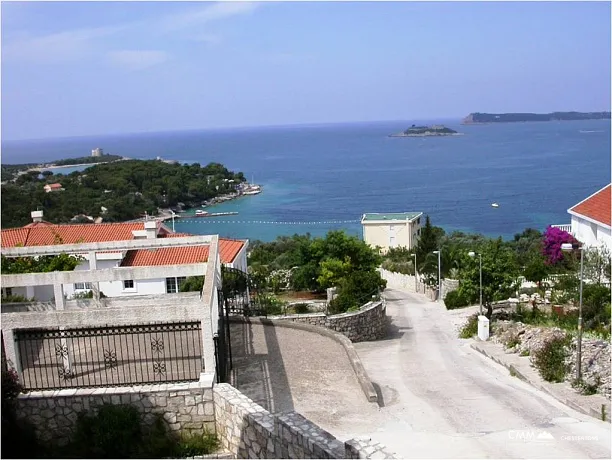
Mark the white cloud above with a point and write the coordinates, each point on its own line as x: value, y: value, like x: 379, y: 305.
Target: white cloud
x: 205, y: 15
x: 61, y: 46
x: 137, y: 59
x: 76, y: 44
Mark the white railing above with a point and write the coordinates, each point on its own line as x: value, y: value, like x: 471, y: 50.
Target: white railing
x: 565, y: 227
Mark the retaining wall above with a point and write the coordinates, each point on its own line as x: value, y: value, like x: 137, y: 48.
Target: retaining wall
x: 368, y: 323
x: 247, y: 430
x: 407, y: 283
x: 184, y: 406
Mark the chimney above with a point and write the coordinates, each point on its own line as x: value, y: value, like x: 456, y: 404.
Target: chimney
x: 150, y: 227
x: 37, y: 216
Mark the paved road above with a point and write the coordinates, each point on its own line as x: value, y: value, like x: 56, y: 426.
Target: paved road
x: 444, y: 400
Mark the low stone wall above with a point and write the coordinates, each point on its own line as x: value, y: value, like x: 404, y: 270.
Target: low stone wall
x: 368, y: 323
x: 247, y: 430
x: 184, y: 406
x: 407, y: 283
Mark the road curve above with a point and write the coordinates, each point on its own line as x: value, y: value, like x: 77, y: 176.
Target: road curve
x: 444, y: 400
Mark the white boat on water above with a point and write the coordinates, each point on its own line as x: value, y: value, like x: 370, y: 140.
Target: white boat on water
x: 495, y: 205
x: 199, y: 212
x: 253, y: 190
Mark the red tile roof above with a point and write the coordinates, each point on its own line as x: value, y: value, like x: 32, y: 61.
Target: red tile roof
x: 597, y: 206
x: 228, y: 250
x: 165, y: 256
x: 56, y: 185
x: 45, y: 233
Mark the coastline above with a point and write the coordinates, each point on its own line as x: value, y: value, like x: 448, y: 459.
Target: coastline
x: 44, y: 167
x: 426, y: 135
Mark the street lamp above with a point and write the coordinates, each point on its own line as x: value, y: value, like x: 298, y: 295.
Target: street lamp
x: 473, y: 254
x: 439, y: 277
x: 571, y: 247
x: 173, y: 214
x: 415, y: 274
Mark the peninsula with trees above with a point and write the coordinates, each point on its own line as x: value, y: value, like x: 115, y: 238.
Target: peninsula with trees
x: 116, y: 191
x: 485, y: 118
x: 426, y: 131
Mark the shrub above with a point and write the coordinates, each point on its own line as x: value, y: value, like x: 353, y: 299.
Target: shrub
x: 455, y: 299
x: 16, y: 298
x: 469, y: 329
x: 343, y: 302
x: 550, y: 359
x: 196, y: 444
x: 300, y: 308
x: 114, y: 432
x: 18, y: 436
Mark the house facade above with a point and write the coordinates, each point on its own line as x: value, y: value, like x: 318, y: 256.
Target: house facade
x: 41, y: 233
x: 391, y: 230
x: 591, y: 219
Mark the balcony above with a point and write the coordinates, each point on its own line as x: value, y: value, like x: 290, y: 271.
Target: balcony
x: 565, y: 227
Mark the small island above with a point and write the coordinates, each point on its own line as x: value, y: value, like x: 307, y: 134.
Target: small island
x: 485, y: 118
x: 426, y: 131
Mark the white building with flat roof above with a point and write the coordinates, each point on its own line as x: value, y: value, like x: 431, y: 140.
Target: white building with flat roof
x: 391, y: 230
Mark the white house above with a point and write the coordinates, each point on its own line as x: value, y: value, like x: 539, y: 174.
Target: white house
x: 591, y: 219
x: 41, y: 233
x: 391, y: 230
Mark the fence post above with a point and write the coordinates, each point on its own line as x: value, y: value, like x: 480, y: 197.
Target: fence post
x: 59, y: 305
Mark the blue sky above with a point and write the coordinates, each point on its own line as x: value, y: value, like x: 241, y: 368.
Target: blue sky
x: 79, y: 68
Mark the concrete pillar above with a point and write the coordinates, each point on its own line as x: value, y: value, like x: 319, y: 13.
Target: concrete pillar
x: 60, y: 305
x: 93, y: 265
x: 30, y: 292
x: 11, y: 350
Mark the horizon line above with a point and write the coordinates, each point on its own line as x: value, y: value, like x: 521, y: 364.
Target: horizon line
x: 266, y: 126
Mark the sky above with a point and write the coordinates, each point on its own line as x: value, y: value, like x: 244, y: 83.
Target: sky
x: 84, y: 68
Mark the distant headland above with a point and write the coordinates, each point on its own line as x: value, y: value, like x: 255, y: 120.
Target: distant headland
x: 426, y: 131
x: 477, y: 117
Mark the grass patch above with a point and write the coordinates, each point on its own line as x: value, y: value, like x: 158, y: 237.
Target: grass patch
x: 469, y: 329
x: 524, y: 353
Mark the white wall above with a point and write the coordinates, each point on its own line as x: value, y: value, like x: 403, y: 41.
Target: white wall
x: 379, y: 234
x: 590, y: 233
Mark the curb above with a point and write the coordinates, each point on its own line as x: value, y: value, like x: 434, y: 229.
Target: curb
x: 590, y: 411
x: 360, y: 372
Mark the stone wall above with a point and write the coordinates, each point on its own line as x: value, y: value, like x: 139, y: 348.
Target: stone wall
x: 247, y: 430
x: 368, y: 323
x: 407, y: 283
x: 184, y: 406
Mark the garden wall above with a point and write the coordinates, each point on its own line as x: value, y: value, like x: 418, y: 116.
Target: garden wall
x: 247, y: 430
x: 185, y: 406
x: 407, y: 283
x: 368, y: 323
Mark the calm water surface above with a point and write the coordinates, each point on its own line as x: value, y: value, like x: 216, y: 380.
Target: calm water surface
x: 535, y: 171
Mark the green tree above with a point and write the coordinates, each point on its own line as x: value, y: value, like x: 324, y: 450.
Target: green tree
x: 536, y: 269
x: 499, y: 275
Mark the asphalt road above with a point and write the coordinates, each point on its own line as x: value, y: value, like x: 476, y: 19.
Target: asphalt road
x: 444, y: 400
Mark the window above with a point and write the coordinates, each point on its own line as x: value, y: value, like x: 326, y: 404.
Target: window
x: 173, y: 285
x: 128, y: 284
x: 82, y: 286
x: 8, y: 292
x: 419, y: 221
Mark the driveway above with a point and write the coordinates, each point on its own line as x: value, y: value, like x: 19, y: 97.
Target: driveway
x: 444, y: 400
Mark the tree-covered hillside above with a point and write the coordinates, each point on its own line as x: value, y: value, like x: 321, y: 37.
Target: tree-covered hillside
x: 126, y: 189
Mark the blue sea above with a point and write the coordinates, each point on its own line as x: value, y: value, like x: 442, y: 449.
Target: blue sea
x: 321, y: 177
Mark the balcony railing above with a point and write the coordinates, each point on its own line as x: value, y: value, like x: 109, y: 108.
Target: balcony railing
x: 565, y: 227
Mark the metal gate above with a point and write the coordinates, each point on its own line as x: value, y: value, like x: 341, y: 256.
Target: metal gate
x: 238, y: 296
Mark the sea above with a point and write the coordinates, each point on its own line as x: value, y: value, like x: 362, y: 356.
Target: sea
x: 317, y: 178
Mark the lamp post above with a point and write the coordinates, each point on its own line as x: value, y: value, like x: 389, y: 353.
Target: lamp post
x: 571, y: 247
x: 473, y: 254
x: 173, y: 214
x: 439, y: 277
x: 415, y: 273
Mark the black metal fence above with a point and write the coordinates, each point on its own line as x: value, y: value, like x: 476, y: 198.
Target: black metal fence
x: 222, y: 340
x: 110, y: 355
x: 241, y: 296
